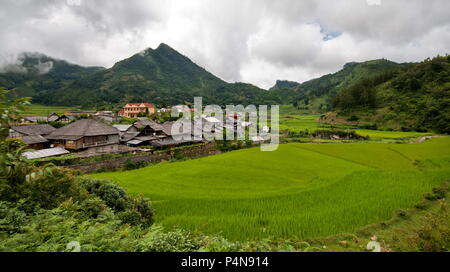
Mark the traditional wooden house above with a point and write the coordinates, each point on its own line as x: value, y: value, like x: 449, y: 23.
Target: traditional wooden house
x: 150, y: 128
x: 106, y: 118
x: 32, y: 119
x: 52, y: 117
x: 86, y: 134
x: 127, y: 132
x: 67, y: 118
x: 32, y: 135
x: 80, y: 113
x: 63, y: 118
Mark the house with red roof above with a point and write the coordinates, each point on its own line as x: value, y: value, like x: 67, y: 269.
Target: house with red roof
x: 134, y: 110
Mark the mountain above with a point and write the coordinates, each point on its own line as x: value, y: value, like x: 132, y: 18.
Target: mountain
x: 165, y: 77
x: 34, y: 73
x: 316, y: 94
x: 284, y: 84
x: 414, y: 97
x: 161, y: 76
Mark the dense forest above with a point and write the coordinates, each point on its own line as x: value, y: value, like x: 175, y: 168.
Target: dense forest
x: 317, y: 94
x: 414, y: 97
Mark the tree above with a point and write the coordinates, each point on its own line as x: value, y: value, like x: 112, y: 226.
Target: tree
x: 9, y: 111
x: 13, y: 166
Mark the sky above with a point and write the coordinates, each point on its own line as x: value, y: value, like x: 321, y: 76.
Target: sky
x: 252, y: 41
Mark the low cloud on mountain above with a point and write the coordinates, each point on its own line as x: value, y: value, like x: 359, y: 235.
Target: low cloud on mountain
x: 253, y: 41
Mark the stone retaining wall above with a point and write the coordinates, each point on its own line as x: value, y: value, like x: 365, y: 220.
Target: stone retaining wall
x: 194, y: 152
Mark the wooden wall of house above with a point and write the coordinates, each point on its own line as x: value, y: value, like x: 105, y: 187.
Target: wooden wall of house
x: 38, y: 146
x: 114, y: 139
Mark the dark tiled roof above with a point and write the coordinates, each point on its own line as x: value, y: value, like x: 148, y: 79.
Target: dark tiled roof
x: 52, y: 118
x: 141, y: 124
x: 35, y: 119
x: 167, y: 128
x: 35, y: 139
x: 34, y: 129
x: 123, y: 128
x: 82, y: 128
x: 129, y: 136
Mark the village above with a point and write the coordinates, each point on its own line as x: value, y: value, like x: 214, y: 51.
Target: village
x: 90, y: 133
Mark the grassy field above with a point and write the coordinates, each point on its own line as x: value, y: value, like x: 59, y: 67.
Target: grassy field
x: 41, y: 110
x: 296, y: 120
x: 301, y: 190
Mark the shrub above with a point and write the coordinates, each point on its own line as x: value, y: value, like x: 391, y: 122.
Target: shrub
x: 53, y: 188
x: 92, y: 207
x: 175, y: 241
x: 12, y: 220
x: 402, y: 214
x: 435, y: 235
x: 440, y: 192
x: 131, y: 217
x: 142, y: 206
x: 131, y: 210
x: 132, y: 165
x: 114, y: 196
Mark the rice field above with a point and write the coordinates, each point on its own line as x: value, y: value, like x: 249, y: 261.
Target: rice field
x: 299, y: 191
x: 41, y: 110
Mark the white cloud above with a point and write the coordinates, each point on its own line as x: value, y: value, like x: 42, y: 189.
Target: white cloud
x: 373, y: 2
x: 256, y: 41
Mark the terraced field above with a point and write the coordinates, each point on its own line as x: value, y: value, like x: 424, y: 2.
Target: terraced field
x: 41, y: 110
x: 301, y: 190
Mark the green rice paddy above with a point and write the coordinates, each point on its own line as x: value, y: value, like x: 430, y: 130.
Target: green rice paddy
x: 41, y: 110
x: 299, y: 191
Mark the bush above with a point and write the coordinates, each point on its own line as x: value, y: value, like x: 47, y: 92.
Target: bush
x: 92, y: 207
x: 131, y: 217
x: 131, y: 210
x: 51, y: 189
x: 402, y: 214
x: 435, y: 235
x: 175, y: 241
x: 114, y: 196
x: 132, y: 165
x: 12, y: 220
x: 440, y: 192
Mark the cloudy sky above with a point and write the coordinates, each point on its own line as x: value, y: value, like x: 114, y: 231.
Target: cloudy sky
x: 254, y: 41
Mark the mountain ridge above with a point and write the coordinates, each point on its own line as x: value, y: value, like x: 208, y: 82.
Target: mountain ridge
x: 166, y: 77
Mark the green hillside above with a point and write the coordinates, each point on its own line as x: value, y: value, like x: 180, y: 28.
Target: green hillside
x: 36, y: 73
x: 162, y: 76
x: 166, y: 77
x: 415, y: 97
x: 284, y: 84
x: 316, y: 94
